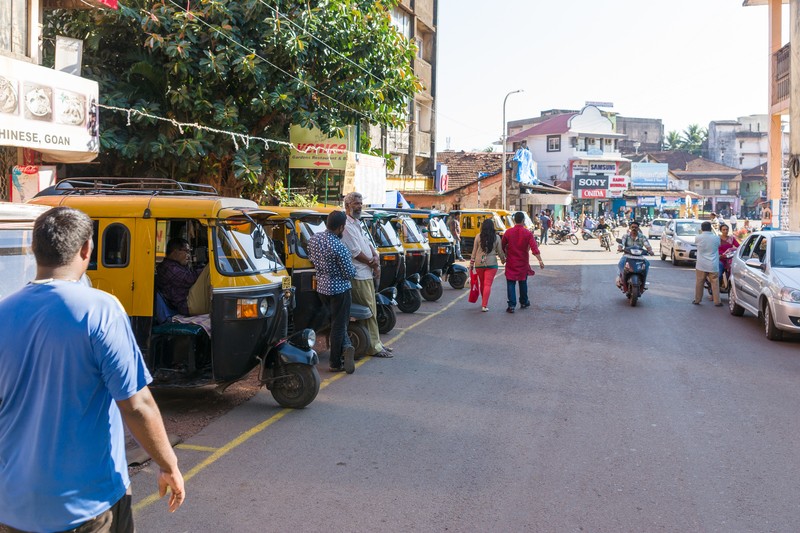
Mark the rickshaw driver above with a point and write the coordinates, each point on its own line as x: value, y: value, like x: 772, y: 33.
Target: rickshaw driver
x: 367, y: 263
x: 185, y: 289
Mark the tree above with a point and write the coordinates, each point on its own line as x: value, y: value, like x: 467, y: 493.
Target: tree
x: 673, y: 141
x: 248, y: 66
x: 693, y: 138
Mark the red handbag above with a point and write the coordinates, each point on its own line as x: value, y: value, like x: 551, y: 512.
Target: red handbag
x: 474, y: 289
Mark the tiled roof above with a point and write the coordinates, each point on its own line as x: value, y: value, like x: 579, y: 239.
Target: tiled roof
x: 677, y: 160
x: 758, y: 172
x: 466, y: 167
x: 552, y: 126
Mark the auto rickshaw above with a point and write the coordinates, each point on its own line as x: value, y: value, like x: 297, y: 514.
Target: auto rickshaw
x: 251, y: 291
x: 390, y: 247
x: 290, y: 229
x: 442, y: 265
x: 508, y: 219
x: 471, y: 220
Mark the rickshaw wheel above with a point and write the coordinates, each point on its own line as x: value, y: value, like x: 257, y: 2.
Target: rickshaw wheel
x: 432, y: 290
x: 409, y: 300
x: 298, y: 388
x: 457, y: 280
x: 359, y: 338
x: 386, y: 318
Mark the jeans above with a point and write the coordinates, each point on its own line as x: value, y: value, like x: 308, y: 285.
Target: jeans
x: 457, y: 248
x: 339, y: 308
x: 543, y: 235
x: 511, y: 289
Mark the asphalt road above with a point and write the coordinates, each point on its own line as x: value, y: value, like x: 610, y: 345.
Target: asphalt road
x: 579, y: 414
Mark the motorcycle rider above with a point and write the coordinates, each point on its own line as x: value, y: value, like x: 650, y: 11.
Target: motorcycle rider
x: 634, y: 237
x: 601, y: 228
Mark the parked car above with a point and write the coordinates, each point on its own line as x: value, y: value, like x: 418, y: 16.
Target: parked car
x: 17, y: 264
x: 765, y: 275
x: 657, y: 228
x: 677, y: 241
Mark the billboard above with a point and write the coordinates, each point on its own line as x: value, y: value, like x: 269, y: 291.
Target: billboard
x: 649, y: 175
x: 315, y: 150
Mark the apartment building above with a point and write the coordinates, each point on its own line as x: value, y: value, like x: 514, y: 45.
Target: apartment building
x: 743, y: 143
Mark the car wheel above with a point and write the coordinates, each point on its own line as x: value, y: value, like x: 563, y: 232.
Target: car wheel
x: 672, y: 258
x: 772, y: 332
x: 735, y: 309
x: 661, y: 251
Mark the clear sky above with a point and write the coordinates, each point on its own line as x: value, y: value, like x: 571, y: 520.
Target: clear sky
x: 683, y: 61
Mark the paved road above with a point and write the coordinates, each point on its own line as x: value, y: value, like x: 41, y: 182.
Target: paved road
x: 580, y: 414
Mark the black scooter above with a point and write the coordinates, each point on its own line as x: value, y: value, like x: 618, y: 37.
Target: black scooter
x: 632, y: 281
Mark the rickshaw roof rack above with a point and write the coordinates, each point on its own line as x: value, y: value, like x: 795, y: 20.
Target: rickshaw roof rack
x: 127, y: 186
x: 409, y: 210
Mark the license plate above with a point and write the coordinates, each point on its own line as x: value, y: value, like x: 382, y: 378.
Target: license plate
x: 286, y: 283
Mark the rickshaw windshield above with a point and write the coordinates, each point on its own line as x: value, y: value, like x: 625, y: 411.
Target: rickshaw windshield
x: 412, y: 232
x: 498, y: 223
x: 310, y: 226
x: 439, y: 229
x: 17, y: 264
x: 234, y: 248
x: 384, y: 234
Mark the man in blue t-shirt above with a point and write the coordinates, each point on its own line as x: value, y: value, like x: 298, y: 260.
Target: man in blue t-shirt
x: 70, y: 373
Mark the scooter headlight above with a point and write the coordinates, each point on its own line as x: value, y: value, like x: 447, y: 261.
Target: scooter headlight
x: 304, y: 339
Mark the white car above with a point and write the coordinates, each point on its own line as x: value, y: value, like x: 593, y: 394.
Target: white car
x: 677, y: 241
x: 765, y: 274
x: 657, y: 228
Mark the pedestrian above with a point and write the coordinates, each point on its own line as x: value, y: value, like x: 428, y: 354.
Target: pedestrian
x: 546, y: 222
x: 368, y: 268
x: 455, y: 230
x: 334, y: 266
x: 485, y: 251
x: 733, y: 220
x: 70, y: 374
x: 516, y: 242
x: 707, y: 265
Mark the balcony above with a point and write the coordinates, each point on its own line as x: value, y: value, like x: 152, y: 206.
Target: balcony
x: 397, y: 141
x: 407, y: 4
x: 423, y: 70
x: 717, y: 192
x: 423, y: 9
x: 781, y: 63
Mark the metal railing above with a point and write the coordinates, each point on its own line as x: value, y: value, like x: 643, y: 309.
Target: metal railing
x: 782, y: 62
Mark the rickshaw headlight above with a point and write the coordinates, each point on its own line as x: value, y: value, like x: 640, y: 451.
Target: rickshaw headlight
x: 247, y: 308
x: 263, y: 307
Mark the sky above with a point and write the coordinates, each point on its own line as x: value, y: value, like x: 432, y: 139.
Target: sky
x: 683, y: 61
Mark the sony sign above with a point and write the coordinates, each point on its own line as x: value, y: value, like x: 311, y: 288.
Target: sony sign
x: 585, y: 181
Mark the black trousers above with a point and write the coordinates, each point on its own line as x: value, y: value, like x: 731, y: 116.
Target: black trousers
x: 339, y: 311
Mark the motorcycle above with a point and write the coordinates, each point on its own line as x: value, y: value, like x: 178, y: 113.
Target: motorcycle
x: 605, y: 238
x: 632, y: 281
x: 725, y: 278
x: 563, y: 234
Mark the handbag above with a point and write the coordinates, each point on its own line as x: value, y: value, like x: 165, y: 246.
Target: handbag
x: 474, y: 289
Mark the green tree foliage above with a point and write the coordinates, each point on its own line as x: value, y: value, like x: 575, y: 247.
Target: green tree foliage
x: 248, y: 66
x: 691, y: 140
x: 673, y: 141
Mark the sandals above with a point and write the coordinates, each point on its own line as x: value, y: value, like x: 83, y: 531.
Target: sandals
x: 384, y: 354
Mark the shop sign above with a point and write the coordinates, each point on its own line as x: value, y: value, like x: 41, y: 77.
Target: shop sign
x: 49, y: 111
x: 584, y: 181
x: 315, y: 150
x: 649, y: 201
x: 367, y: 175
x: 593, y: 193
x: 603, y: 167
x: 579, y: 168
x: 649, y: 175
x: 617, y: 185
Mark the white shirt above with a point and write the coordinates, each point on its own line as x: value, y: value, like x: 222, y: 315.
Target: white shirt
x: 357, y: 243
x: 707, y: 252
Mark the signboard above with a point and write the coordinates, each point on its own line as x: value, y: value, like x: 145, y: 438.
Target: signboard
x: 603, y: 167
x: 28, y: 180
x: 315, y: 150
x: 584, y: 181
x: 367, y: 175
x: 49, y: 111
x: 649, y: 175
x: 593, y: 193
x: 579, y: 168
x: 440, y: 182
x: 648, y: 201
x: 617, y: 185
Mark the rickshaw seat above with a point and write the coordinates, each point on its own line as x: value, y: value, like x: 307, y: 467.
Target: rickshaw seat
x: 360, y: 312
x: 178, y: 328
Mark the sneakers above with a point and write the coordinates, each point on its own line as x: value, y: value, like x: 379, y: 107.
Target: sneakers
x: 510, y: 310
x: 348, y: 354
x: 484, y: 309
x: 524, y: 306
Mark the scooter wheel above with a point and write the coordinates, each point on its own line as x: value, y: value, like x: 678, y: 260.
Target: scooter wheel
x: 409, y: 300
x: 432, y: 290
x: 359, y: 338
x: 386, y: 318
x: 457, y: 280
x: 297, y: 387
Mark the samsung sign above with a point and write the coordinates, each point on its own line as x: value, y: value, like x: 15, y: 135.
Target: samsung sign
x: 584, y: 181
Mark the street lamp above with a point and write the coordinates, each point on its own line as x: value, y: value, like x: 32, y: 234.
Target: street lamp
x: 503, y: 138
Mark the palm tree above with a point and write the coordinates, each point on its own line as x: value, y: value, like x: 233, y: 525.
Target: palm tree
x: 692, y: 139
x: 673, y: 141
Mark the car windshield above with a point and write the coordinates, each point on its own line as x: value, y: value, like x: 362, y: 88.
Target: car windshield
x: 438, y: 228
x: 234, y: 250
x: 659, y: 222
x: 687, y: 229
x: 17, y: 264
x: 785, y: 252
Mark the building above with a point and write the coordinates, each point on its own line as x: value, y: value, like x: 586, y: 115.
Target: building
x: 46, y: 115
x: 641, y: 134
x: 413, y: 148
x: 783, y: 194
x: 742, y: 143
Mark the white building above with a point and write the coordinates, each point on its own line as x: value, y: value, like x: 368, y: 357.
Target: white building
x: 742, y: 143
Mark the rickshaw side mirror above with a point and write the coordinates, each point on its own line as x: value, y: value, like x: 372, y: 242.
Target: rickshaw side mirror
x: 258, y: 243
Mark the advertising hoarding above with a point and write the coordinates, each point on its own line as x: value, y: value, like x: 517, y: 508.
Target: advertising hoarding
x: 649, y: 175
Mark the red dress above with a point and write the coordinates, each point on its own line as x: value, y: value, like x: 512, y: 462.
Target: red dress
x: 516, y: 243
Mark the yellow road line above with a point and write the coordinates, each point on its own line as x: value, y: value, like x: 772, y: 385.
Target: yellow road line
x: 255, y: 430
x: 196, y: 448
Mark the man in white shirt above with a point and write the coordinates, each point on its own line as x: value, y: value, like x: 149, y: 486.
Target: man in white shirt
x: 733, y: 221
x: 707, y: 265
x: 367, y: 263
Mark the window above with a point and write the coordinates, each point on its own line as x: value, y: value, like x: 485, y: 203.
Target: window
x: 590, y: 141
x: 14, y: 26
x: 116, y: 246
x: 402, y: 21
x: 554, y: 143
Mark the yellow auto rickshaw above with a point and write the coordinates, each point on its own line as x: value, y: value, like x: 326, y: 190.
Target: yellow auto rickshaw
x: 508, y: 219
x: 251, y: 291
x: 471, y: 220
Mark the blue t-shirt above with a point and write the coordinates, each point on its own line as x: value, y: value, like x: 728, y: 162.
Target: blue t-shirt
x: 67, y: 352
